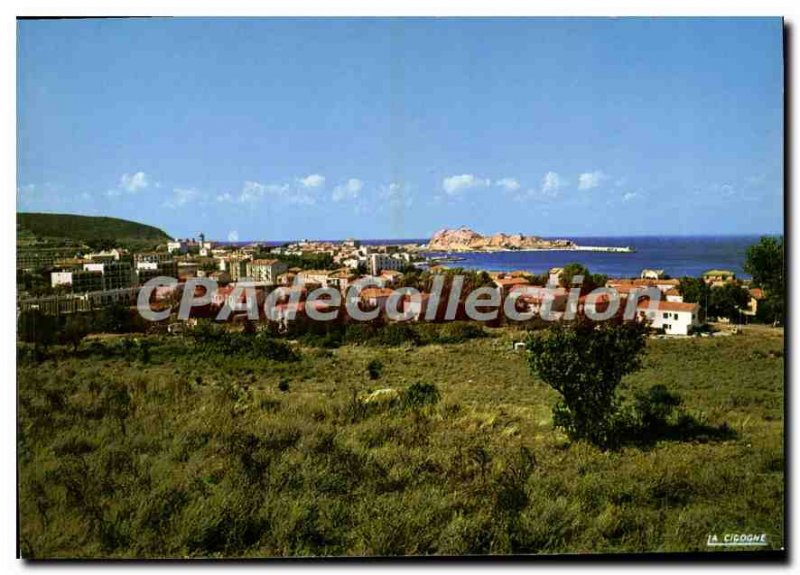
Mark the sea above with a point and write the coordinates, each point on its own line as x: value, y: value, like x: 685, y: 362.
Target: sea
x: 676, y: 255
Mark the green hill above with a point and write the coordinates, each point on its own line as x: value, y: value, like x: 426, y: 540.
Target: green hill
x: 87, y: 229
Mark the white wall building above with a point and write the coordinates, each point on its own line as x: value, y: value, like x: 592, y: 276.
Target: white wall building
x: 380, y: 262
x: 266, y: 271
x: 177, y: 246
x: 675, y: 318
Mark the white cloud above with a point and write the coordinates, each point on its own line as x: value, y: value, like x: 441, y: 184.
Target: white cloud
x: 347, y: 191
x: 129, y: 183
x: 233, y: 236
x: 255, y: 191
x: 225, y: 198
x: 300, y: 199
x: 510, y: 184
x: 396, y: 195
x: 589, y: 180
x: 132, y: 183
x: 252, y: 191
x: 629, y: 196
x: 312, y: 181
x: 181, y: 196
x: 454, y: 185
x: 552, y: 183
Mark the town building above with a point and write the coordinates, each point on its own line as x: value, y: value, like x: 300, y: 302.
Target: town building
x: 319, y: 277
x: 505, y: 284
x: 375, y: 296
x: 180, y: 246
x: 674, y: 295
x: 380, y: 262
x: 116, y: 274
x: 112, y: 255
x: 756, y: 295
x: 34, y: 258
x: 235, y: 265
x: 342, y: 278
x: 648, y: 274
x: 146, y: 271
x: 717, y: 278
x: 675, y: 318
x: 79, y: 281
x: 187, y: 270
x: 265, y: 270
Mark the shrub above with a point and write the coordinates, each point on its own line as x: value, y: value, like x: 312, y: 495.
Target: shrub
x: 398, y: 334
x: 457, y: 332
x: 271, y: 348
x: 419, y: 395
x: 374, y: 368
x: 585, y: 363
x: 654, y: 407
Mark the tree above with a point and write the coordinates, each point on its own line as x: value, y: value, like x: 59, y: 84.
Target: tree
x: 694, y: 290
x: 585, y: 363
x: 765, y: 262
x: 37, y: 328
x: 727, y: 300
x: 76, y: 327
x: 590, y: 281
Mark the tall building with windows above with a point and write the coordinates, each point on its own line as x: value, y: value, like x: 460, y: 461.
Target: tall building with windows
x: 266, y: 271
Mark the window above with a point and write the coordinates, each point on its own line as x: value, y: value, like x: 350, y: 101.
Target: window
x: 666, y: 315
x: 675, y: 316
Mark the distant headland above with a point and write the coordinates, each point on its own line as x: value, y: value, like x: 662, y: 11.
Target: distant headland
x: 464, y: 239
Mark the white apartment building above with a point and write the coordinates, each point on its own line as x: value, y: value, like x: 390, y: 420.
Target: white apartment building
x: 675, y: 318
x: 380, y: 262
x: 266, y: 271
x: 116, y: 275
x: 79, y: 280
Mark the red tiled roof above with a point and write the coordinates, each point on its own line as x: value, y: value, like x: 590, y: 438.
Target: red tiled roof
x: 507, y: 282
x: 264, y: 262
x: 669, y: 305
x: 373, y: 292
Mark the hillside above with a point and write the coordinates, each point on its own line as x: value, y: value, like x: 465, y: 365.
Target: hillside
x: 85, y: 228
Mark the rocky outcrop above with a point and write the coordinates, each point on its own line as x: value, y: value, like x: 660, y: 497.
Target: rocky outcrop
x: 466, y: 240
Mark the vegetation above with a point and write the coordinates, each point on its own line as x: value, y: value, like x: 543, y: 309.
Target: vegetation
x: 590, y: 281
x: 585, y: 363
x: 184, y: 451
x: 765, y: 262
x: 728, y: 300
x: 311, y: 261
x: 98, y: 232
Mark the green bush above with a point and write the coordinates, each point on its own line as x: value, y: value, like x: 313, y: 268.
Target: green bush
x: 585, y: 363
x: 374, y: 368
x: 419, y: 395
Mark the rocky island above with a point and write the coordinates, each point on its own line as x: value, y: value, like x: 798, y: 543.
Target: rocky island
x: 464, y: 239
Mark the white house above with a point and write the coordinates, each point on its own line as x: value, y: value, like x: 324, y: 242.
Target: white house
x: 675, y: 318
x: 381, y: 262
x: 265, y: 270
x: 178, y: 245
x: 648, y: 274
x: 673, y: 295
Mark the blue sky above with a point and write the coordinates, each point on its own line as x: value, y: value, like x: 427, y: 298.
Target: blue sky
x: 374, y: 128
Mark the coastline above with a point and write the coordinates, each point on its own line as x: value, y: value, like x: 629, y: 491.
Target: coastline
x: 574, y: 248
